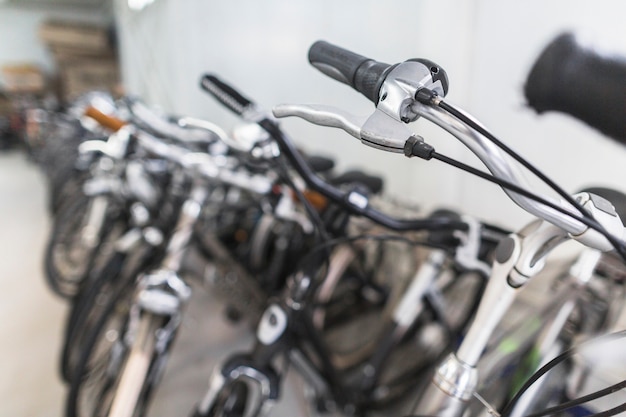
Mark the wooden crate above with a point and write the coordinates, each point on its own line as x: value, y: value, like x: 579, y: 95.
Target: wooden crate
x: 22, y: 79
x: 79, y: 37
x: 81, y: 76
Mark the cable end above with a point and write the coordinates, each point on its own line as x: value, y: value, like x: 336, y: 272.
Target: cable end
x: 415, y: 146
x: 427, y: 96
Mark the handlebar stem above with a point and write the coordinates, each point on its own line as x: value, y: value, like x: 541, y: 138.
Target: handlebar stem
x: 517, y: 258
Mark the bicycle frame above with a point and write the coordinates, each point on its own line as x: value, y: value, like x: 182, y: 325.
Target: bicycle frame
x: 157, y: 307
x: 291, y: 328
x: 406, y: 91
x: 518, y: 259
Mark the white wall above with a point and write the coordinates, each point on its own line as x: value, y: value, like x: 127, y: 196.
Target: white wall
x: 486, y: 46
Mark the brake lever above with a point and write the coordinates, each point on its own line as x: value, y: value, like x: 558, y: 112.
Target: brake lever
x: 379, y: 130
x: 323, y: 115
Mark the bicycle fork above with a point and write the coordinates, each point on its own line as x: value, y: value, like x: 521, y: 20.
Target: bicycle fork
x: 256, y: 367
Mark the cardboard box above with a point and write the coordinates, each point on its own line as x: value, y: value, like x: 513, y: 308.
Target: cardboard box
x: 81, y: 76
x: 63, y: 54
x: 23, y: 79
x: 80, y: 37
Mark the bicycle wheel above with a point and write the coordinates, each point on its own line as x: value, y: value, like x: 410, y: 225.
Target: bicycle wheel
x: 120, y: 365
x: 62, y: 191
x: 89, y: 305
x: 96, y: 294
x: 74, y: 242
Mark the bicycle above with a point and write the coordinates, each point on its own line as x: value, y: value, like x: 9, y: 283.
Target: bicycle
x: 145, y: 314
x: 565, y: 61
x: 91, y: 189
x: 416, y: 147
x: 416, y: 88
x: 296, y: 326
x: 137, y: 198
x: 124, y: 371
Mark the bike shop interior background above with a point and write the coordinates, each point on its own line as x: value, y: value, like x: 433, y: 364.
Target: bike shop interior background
x: 486, y: 47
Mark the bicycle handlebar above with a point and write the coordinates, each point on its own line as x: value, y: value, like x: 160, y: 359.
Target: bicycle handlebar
x: 353, y: 202
x: 225, y: 94
x: 486, y: 151
x: 112, y: 123
x: 364, y: 74
x: 204, y: 164
x: 406, y: 95
x: 148, y: 119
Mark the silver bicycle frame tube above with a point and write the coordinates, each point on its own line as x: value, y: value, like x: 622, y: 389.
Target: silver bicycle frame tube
x: 496, y: 161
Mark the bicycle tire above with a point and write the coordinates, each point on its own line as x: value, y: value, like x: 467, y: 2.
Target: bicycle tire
x: 352, y: 298
x: 93, y: 300
x: 63, y: 190
x: 85, y: 311
x: 107, y: 359
x: 79, y: 376
x: 67, y: 259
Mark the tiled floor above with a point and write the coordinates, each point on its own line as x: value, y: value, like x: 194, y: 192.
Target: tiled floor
x: 31, y: 316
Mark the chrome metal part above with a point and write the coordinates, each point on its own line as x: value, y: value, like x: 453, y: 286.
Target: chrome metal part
x: 323, y: 115
x: 456, y: 378
x: 397, y: 93
x: 382, y: 131
x: 379, y: 130
x: 411, y: 303
x: 162, y: 292
x: 539, y: 238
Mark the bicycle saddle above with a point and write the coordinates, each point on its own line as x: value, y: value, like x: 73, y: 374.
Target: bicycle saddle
x: 373, y: 183
x: 320, y: 164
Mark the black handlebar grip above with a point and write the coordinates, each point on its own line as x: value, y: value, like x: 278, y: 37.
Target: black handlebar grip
x: 582, y: 83
x: 225, y: 94
x: 363, y: 74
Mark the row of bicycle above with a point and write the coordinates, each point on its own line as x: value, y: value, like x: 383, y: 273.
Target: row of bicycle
x: 376, y: 311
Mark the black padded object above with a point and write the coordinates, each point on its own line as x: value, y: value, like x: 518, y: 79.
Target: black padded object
x: 373, y: 183
x: 444, y: 237
x: 617, y: 198
x: 320, y: 164
x: 582, y: 83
